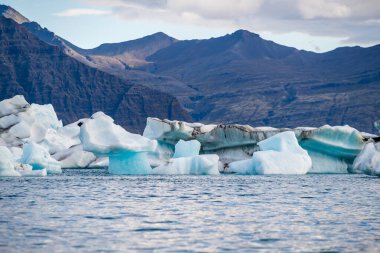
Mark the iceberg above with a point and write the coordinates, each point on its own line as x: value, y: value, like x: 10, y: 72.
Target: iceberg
x: 127, y: 152
x: 368, y: 161
x: 21, y: 122
x: 279, y: 154
x: 333, y: 149
x: 193, y: 165
x: 75, y: 157
x: 26, y: 170
x: 187, y: 148
x: 7, y: 166
x: 187, y: 161
x: 13, y: 105
x: 39, y: 158
x: 230, y: 142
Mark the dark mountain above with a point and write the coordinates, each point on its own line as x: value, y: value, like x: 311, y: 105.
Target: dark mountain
x: 242, y: 78
x: 114, y: 58
x: 9, y: 12
x: 45, y: 74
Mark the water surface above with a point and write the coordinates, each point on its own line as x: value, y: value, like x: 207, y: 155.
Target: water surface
x: 89, y: 211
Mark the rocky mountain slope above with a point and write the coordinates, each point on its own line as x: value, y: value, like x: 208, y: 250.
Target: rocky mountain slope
x: 242, y: 78
x: 45, y: 74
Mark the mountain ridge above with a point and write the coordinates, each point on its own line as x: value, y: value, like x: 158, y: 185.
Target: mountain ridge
x: 242, y: 78
x: 45, y: 74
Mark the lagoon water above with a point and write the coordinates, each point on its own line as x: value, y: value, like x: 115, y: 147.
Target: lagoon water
x: 91, y: 211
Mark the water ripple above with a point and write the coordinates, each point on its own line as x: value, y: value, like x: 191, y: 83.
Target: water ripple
x: 91, y: 211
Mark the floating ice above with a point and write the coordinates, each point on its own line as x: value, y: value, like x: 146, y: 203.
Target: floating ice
x: 280, y: 154
x: 194, y: 165
x: 26, y: 170
x: 7, y: 166
x: 75, y: 157
x: 368, y: 161
x: 39, y: 158
x: 335, y: 147
x: 229, y: 142
x: 187, y: 148
x: 126, y: 151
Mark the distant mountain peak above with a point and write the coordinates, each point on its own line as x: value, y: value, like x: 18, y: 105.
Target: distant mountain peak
x: 244, y: 33
x: 8, y: 12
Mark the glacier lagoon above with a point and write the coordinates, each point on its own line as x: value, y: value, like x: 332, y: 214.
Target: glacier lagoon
x: 89, y: 210
x: 146, y: 197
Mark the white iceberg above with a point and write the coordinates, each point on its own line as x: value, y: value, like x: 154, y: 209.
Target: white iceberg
x: 26, y: 170
x: 127, y: 152
x: 368, y: 161
x: 13, y: 105
x: 187, y: 148
x: 75, y: 157
x: 7, y: 166
x: 194, y: 165
x: 21, y: 122
x: 39, y: 158
x: 279, y: 154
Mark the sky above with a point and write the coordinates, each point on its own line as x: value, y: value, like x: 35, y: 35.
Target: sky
x: 314, y: 25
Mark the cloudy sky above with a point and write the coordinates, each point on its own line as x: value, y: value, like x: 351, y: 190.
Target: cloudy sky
x: 316, y: 25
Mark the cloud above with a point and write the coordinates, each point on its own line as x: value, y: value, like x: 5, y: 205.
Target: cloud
x: 355, y: 20
x: 323, y: 9
x: 81, y: 12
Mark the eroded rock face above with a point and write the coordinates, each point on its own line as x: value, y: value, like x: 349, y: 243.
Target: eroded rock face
x: 44, y: 74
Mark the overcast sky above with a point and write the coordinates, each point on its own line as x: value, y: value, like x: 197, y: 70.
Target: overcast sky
x: 316, y: 25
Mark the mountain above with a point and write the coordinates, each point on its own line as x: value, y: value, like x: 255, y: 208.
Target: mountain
x: 45, y: 74
x: 9, y: 12
x: 242, y: 78
x: 118, y: 59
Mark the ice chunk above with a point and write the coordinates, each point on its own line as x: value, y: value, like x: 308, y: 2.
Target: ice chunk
x: 13, y: 105
x: 126, y: 151
x: 16, y: 152
x: 244, y: 167
x: 39, y: 158
x: 195, y: 165
x: 274, y: 162
x: 100, y: 162
x: 7, y: 167
x: 325, y: 164
x: 74, y: 157
x: 174, y: 130
x: 280, y: 154
x: 8, y: 121
x: 26, y: 170
x: 229, y: 142
x: 129, y: 163
x: 338, y: 141
x: 101, y: 136
x: 368, y: 161
x: 335, y: 147
x: 187, y: 148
